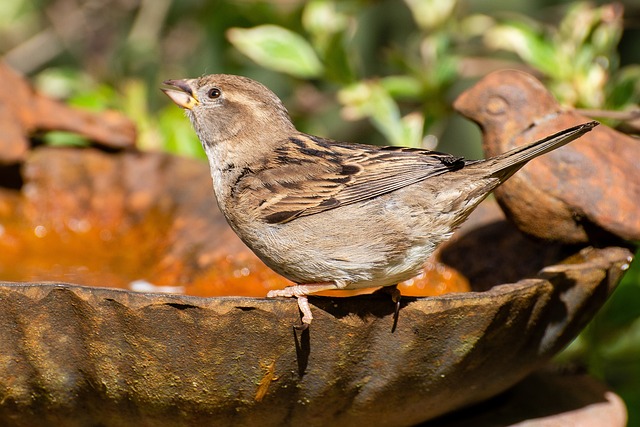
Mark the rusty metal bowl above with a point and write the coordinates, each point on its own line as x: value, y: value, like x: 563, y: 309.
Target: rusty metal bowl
x: 73, y: 355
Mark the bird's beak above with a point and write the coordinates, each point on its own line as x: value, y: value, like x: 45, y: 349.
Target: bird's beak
x: 184, y: 96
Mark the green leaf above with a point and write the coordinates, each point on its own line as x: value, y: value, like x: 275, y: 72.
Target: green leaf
x: 338, y: 60
x: 96, y: 99
x: 429, y: 14
x: 412, y: 129
x: 63, y: 138
x: 530, y: 44
x: 385, y: 114
x: 177, y: 135
x: 63, y: 82
x: 624, y: 88
x: 371, y: 100
x: 324, y: 18
x: 277, y: 48
x: 402, y: 86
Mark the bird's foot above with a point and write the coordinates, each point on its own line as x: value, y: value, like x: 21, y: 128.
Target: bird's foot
x: 395, y: 297
x: 301, y: 292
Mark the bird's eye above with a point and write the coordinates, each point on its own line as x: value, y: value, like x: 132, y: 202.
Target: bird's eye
x: 214, y: 93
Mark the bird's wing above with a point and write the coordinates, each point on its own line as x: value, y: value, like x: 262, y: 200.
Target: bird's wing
x: 308, y: 175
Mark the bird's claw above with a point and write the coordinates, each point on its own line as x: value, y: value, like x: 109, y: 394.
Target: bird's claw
x: 303, y: 303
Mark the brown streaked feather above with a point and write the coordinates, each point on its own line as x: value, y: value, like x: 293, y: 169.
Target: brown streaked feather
x: 330, y: 174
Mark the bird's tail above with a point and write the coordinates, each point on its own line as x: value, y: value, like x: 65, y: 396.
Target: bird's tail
x: 506, y: 164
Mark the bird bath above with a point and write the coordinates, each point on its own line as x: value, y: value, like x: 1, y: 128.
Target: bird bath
x: 76, y: 355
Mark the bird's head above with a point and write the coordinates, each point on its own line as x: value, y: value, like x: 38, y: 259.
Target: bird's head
x: 228, y: 108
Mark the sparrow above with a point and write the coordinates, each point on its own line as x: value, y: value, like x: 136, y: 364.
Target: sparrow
x: 332, y: 215
x: 585, y: 192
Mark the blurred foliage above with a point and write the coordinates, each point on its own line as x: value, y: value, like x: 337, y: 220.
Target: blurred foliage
x: 396, y: 64
x: 578, y: 57
x: 357, y: 70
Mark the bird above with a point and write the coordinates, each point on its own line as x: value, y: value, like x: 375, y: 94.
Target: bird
x: 587, y: 192
x: 331, y: 215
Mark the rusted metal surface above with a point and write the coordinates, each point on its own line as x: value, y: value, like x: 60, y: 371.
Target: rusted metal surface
x: 74, y: 356
x: 582, y: 192
x: 23, y: 111
x: 545, y: 399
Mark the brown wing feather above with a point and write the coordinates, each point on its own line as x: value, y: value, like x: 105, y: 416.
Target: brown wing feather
x: 309, y: 175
